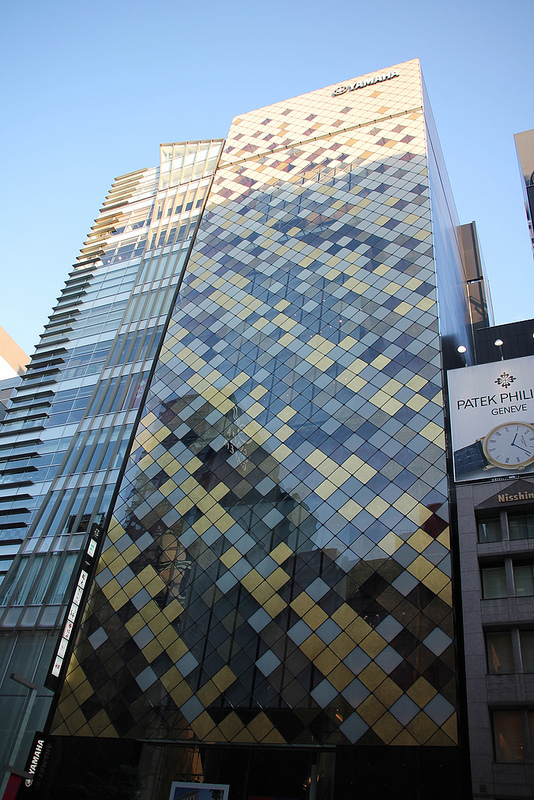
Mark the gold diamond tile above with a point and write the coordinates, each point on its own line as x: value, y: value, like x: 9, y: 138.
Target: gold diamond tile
x: 421, y: 692
x: 302, y: 604
x: 312, y: 646
x: 372, y: 676
x: 342, y: 645
x: 315, y: 617
x: 152, y: 650
x: 388, y: 692
x: 387, y: 727
x: 340, y: 677
x: 422, y: 727
x: 371, y: 710
x: 373, y: 644
x: 231, y: 726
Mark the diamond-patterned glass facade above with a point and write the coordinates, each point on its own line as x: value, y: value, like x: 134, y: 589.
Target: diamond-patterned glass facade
x: 277, y: 569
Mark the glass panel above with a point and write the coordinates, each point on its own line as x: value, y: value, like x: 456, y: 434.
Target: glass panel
x: 11, y: 582
x: 507, y: 737
x: 21, y: 594
x: 494, y: 582
x: 7, y: 642
x: 11, y: 709
x: 521, y: 526
x: 499, y: 653
x: 489, y: 530
x: 524, y: 580
x: 527, y: 651
x: 23, y: 662
x: 62, y: 582
x: 38, y: 594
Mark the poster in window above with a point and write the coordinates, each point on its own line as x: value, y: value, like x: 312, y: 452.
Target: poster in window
x: 199, y: 791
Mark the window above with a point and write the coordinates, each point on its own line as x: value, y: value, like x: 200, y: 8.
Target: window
x: 499, y: 653
x: 500, y: 645
x: 521, y: 525
x: 489, y: 530
x: 524, y: 580
x: 508, y: 737
x: 494, y: 582
x: 511, y: 525
x: 526, y: 639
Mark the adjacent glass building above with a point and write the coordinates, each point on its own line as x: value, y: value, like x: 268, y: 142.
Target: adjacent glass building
x: 273, y: 604
x: 65, y: 435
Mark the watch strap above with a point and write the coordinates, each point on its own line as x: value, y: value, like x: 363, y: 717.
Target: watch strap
x: 469, y: 458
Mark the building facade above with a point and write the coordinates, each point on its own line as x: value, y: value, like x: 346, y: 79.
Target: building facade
x: 67, y: 429
x: 273, y: 604
x: 494, y: 472
x: 524, y: 145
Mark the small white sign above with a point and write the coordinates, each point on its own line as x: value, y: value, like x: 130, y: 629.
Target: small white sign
x: 68, y: 630
x: 82, y: 580
x: 62, y: 649
x: 56, y: 669
x: 73, y: 612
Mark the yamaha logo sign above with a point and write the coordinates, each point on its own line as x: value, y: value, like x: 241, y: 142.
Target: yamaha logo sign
x: 351, y: 87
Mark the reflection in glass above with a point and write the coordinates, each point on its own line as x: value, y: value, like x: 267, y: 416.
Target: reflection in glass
x: 507, y: 737
x: 500, y: 659
x: 489, y: 530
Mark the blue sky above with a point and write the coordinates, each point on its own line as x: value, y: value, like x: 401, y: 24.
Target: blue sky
x: 90, y: 90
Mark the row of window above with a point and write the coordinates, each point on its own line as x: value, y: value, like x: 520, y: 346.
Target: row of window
x: 512, y: 525
x: 509, y: 651
x: 41, y: 579
x: 507, y: 579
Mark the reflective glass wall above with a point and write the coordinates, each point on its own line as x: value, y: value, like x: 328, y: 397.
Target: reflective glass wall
x: 66, y: 433
x: 277, y: 570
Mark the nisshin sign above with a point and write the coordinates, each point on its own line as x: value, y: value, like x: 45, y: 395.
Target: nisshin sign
x: 492, y: 419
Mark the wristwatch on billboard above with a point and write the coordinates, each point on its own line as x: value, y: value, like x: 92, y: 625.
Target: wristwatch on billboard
x: 509, y: 446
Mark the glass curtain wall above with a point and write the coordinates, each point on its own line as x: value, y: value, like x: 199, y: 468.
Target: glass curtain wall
x: 66, y: 433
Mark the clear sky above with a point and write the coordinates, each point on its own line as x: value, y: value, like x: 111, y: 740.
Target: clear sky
x: 90, y: 90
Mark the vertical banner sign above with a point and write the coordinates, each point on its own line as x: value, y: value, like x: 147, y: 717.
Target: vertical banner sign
x: 36, y: 765
x: 76, y: 602
x: 492, y: 419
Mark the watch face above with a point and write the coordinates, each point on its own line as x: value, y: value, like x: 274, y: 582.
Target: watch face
x: 511, y: 445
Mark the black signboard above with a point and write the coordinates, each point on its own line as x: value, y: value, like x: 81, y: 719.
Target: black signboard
x: 74, y: 610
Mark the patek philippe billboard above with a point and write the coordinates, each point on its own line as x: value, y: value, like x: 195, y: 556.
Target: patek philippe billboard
x: 492, y: 419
